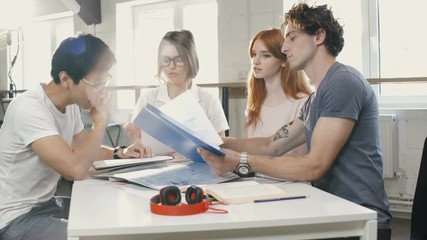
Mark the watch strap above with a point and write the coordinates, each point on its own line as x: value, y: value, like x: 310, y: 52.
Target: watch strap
x: 243, y: 169
x: 116, y: 151
x: 243, y: 158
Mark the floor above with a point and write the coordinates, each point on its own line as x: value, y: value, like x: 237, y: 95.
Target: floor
x: 401, y: 228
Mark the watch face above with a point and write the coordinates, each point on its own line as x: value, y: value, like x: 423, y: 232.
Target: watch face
x: 243, y: 170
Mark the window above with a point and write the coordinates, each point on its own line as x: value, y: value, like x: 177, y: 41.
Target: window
x: 402, y: 46
x: 206, y: 38
x: 382, y: 39
x: 138, y: 38
x: 41, y: 39
x: 151, y: 23
x: 12, y: 17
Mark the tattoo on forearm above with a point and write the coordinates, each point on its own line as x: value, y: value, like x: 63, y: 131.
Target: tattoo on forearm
x: 283, y: 132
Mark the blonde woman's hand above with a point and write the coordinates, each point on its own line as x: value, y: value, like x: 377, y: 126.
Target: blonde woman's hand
x: 133, y: 132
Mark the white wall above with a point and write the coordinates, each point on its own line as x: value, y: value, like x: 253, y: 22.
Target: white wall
x: 238, y: 21
x: 412, y: 131
x: 47, y: 7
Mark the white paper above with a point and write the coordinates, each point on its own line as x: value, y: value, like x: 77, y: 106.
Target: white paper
x: 131, y: 161
x: 186, y: 110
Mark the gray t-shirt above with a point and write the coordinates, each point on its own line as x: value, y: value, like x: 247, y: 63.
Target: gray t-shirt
x: 356, y: 174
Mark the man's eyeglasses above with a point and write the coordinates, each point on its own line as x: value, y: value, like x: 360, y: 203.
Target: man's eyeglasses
x: 166, y: 61
x: 100, y: 84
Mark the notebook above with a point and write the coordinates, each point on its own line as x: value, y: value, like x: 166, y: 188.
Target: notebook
x: 244, y: 192
x: 114, y: 163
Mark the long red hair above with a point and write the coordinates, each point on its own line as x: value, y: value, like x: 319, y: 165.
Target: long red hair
x: 293, y: 83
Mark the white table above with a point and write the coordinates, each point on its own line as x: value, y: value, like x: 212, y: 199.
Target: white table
x: 107, y: 210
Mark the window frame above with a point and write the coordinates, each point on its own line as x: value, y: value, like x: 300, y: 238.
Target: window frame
x: 54, y: 20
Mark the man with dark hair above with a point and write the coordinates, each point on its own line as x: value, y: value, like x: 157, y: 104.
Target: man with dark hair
x: 339, y: 122
x: 42, y: 138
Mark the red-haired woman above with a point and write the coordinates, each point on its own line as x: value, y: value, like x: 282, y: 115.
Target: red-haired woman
x: 275, y: 92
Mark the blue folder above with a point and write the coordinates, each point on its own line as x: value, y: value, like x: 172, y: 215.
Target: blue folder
x: 172, y: 133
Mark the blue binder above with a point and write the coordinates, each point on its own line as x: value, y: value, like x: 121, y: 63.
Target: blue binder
x: 172, y: 133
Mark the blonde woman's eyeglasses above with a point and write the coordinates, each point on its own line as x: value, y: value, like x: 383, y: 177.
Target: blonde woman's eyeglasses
x: 166, y: 61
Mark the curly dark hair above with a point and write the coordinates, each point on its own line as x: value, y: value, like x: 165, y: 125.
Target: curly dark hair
x: 310, y: 19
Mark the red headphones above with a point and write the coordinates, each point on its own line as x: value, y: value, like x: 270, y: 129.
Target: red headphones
x: 168, y: 201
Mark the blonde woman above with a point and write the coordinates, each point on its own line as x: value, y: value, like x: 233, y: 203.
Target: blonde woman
x: 178, y: 65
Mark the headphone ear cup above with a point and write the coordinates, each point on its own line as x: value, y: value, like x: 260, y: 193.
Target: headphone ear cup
x: 170, y: 195
x: 194, y: 195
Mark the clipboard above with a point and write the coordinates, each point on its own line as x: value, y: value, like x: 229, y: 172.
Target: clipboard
x: 172, y: 133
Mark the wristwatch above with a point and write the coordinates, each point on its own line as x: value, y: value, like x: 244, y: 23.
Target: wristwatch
x: 243, y: 169
x: 116, y: 151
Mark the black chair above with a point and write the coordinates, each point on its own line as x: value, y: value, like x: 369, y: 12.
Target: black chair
x: 419, y: 208
x: 5, y: 103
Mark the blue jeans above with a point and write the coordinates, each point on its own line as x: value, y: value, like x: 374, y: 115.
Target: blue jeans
x: 47, y: 221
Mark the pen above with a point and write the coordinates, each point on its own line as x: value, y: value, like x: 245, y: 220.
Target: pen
x: 279, y: 199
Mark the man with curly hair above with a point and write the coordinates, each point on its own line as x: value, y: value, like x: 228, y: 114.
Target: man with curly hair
x: 339, y: 122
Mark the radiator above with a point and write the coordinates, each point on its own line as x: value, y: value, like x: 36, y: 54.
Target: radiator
x: 388, y: 128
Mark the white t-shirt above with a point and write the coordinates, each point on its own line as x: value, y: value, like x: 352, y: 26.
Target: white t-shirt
x: 25, y: 179
x: 275, y: 117
x: 159, y: 96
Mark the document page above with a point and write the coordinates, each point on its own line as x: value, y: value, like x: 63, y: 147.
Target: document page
x: 186, y: 110
x: 178, y: 174
x: 172, y: 133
